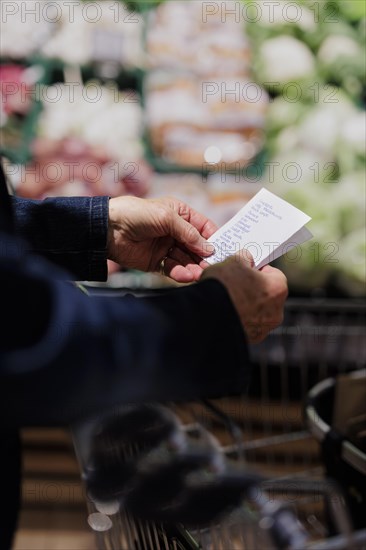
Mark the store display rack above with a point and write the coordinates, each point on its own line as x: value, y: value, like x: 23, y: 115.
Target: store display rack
x: 106, y: 69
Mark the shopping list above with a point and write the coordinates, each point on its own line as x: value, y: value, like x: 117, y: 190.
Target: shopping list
x: 267, y: 226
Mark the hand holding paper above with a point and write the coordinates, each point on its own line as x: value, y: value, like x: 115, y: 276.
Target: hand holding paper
x: 257, y: 296
x: 267, y: 226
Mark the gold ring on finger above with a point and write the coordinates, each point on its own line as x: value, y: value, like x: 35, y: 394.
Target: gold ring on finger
x: 162, y: 266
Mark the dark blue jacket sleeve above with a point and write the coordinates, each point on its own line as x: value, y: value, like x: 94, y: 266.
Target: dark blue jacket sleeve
x: 65, y: 355
x: 71, y: 232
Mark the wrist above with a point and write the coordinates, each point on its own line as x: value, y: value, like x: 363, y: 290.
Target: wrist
x: 121, y: 213
x: 112, y: 228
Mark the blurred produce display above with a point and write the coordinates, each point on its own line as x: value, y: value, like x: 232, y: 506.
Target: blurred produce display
x: 13, y: 80
x: 76, y: 32
x: 204, y: 131
x: 18, y: 108
x: 202, y: 106
x: 96, y: 95
x: 310, y: 56
x: 26, y: 26
x: 88, y: 143
x: 183, y: 36
x: 107, y: 32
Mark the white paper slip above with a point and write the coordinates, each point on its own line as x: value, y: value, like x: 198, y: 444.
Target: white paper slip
x: 267, y: 226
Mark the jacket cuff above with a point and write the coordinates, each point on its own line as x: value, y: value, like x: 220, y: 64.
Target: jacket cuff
x: 98, y: 239
x: 70, y: 232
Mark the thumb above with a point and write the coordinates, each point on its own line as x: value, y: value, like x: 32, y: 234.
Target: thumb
x: 189, y: 236
x: 245, y: 256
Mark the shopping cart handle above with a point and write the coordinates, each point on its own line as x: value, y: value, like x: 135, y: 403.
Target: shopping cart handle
x: 157, y: 487
x: 121, y: 440
x: 144, y: 425
x: 286, y: 530
x: 201, y: 499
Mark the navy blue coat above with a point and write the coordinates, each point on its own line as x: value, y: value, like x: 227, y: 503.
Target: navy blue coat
x: 65, y: 355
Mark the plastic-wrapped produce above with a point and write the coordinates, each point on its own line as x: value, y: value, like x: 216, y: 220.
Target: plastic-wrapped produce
x: 87, y: 143
x: 100, y: 115
x: 26, y: 26
x: 204, y: 131
x: 97, y: 31
x: 285, y: 59
x: 203, y: 108
x: 191, y: 36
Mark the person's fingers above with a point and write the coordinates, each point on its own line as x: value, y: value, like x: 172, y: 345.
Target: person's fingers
x: 274, y: 274
x: 203, y: 264
x: 270, y: 270
x: 183, y: 258
x: 177, y: 272
x: 204, y: 225
x: 255, y: 332
x: 244, y: 256
x: 193, y: 257
x: 185, y: 233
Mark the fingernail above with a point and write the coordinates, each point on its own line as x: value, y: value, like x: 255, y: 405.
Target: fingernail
x: 208, y: 249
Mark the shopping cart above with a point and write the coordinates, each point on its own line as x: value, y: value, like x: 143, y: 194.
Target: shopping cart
x: 336, y: 416
x: 237, y: 473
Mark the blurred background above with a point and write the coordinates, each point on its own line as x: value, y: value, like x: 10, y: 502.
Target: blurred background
x: 207, y: 101
x: 202, y: 101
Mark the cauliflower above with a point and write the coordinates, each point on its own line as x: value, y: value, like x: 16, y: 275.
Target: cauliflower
x: 285, y: 59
